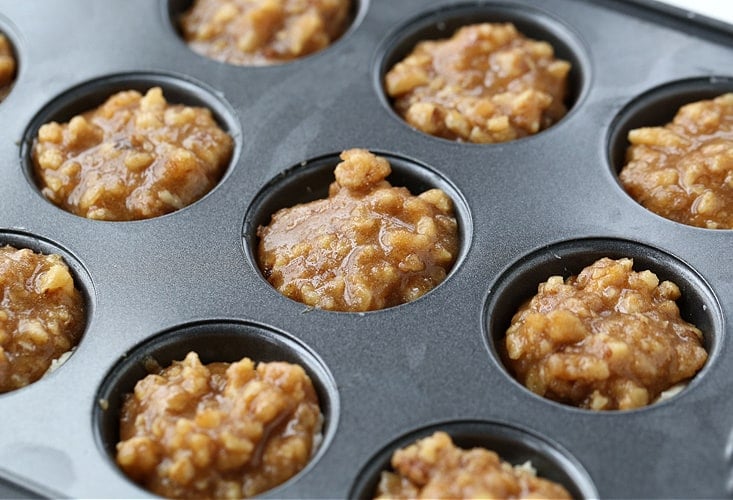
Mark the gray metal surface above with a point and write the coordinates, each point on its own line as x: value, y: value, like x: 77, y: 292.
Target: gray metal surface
x: 391, y: 373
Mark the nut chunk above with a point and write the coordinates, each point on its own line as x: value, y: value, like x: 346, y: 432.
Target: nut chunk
x: 434, y: 467
x: 259, y: 32
x: 486, y: 84
x: 684, y: 170
x: 134, y: 157
x: 219, y: 430
x: 367, y: 246
x: 42, y: 315
x: 609, y: 338
x: 7, y: 66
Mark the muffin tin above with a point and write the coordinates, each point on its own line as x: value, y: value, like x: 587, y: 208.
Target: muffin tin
x: 527, y: 209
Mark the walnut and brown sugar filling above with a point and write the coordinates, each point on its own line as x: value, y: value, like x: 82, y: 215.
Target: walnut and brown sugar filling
x: 42, y: 315
x: 609, y: 338
x: 488, y: 83
x: 434, y: 467
x: 368, y: 246
x: 134, y: 157
x: 220, y: 430
x: 260, y: 32
x: 684, y: 170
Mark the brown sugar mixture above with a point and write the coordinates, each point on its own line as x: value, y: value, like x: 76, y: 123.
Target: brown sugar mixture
x: 7, y: 66
x: 42, y: 315
x: 609, y: 338
x: 260, y: 32
x: 434, y: 467
x: 219, y: 430
x: 367, y: 246
x: 134, y: 157
x: 684, y: 170
x: 487, y: 83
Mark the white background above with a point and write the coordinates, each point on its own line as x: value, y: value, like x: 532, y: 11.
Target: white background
x: 719, y: 9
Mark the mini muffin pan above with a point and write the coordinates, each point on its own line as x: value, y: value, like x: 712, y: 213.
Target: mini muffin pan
x: 543, y: 205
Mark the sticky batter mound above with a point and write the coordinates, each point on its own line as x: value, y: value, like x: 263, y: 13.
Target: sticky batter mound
x: 7, y: 67
x: 367, y: 246
x: 609, y: 338
x: 434, y: 467
x: 684, y: 170
x: 42, y: 315
x: 134, y: 157
x: 260, y: 32
x: 488, y: 83
x: 219, y: 430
